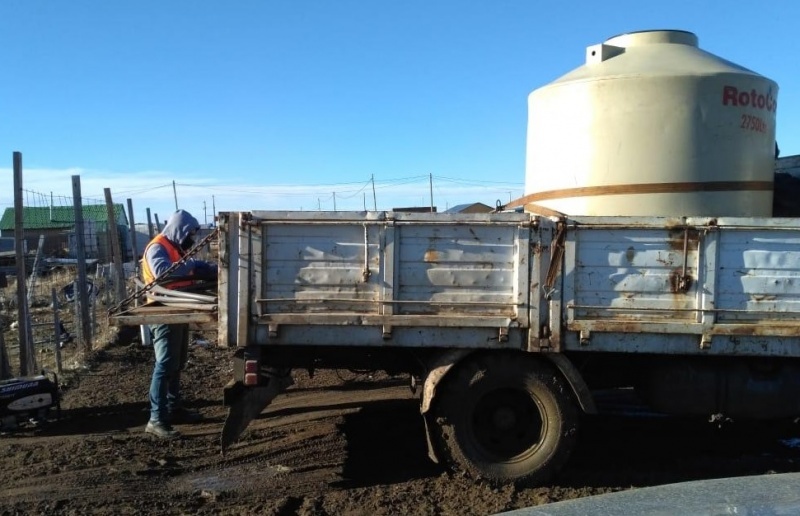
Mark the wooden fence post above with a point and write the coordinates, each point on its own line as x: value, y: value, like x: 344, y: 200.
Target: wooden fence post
x: 56, y: 331
x: 132, y: 225
x: 150, y: 233
x: 23, y: 317
x: 81, y: 293
x: 5, y: 366
x: 116, y: 255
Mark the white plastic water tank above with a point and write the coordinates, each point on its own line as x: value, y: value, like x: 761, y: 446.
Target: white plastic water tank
x: 652, y: 125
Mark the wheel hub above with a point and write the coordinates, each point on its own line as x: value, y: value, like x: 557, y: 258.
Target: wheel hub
x: 507, y: 423
x: 504, y: 418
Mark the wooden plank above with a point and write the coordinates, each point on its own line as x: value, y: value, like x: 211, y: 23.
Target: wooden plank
x: 162, y: 314
x: 168, y: 318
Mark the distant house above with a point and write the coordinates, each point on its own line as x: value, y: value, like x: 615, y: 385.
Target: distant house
x: 474, y: 207
x: 57, y: 224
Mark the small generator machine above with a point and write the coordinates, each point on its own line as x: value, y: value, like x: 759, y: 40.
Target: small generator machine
x: 27, y: 400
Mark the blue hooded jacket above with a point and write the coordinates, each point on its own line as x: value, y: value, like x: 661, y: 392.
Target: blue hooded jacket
x: 177, y: 229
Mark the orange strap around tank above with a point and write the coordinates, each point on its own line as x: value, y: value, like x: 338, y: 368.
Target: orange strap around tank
x: 642, y: 188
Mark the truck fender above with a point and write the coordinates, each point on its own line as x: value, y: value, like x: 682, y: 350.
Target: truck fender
x: 438, y: 369
x: 575, y: 380
x: 444, y: 362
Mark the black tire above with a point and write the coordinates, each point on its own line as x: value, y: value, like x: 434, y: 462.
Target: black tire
x: 505, y: 418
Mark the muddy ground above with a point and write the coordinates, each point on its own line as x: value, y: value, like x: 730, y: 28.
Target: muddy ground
x: 335, y: 443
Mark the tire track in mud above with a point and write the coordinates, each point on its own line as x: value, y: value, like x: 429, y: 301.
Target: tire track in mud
x: 298, y: 436
x: 299, y: 447
x: 89, y: 471
x: 92, y: 487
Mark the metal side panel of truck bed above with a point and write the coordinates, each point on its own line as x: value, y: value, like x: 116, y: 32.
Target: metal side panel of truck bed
x: 376, y: 278
x: 724, y: 286
x: 688, y: 286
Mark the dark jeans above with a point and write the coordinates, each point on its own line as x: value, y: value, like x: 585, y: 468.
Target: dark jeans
x: 171, y: 346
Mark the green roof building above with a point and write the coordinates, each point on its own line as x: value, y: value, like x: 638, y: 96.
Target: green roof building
x: 57, y: 224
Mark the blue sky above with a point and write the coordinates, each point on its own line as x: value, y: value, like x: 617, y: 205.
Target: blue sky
x: 286, y: 104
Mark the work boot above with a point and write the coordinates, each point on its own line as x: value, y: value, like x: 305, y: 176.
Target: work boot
x: 184, y: 415
x: 161, y: 429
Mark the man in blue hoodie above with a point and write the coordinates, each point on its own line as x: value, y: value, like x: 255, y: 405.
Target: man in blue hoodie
x: 171, y: 341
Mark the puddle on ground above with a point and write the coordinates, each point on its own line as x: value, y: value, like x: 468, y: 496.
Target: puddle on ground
x: 232, y: 477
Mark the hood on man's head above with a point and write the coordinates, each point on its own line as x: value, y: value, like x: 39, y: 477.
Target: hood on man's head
x: 179, y: 226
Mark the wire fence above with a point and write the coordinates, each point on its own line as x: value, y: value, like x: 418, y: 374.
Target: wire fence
x: 64, y: 257
x: 60, y: 333
x: 55, y: 319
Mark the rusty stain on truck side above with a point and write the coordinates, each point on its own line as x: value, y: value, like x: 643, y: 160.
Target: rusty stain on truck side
x: 678, y: 283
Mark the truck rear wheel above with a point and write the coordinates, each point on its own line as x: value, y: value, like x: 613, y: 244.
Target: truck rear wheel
x: 505, y: 418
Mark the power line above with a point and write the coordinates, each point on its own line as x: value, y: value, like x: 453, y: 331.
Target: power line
x: 141, y: 190
x: 363, y: 187
x: 477, y: 181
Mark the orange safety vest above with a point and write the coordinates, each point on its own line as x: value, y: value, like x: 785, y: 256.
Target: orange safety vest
x: 173, y: 252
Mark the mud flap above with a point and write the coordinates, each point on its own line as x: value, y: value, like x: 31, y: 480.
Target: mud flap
x: 431, y: 448
x: 246, y: 403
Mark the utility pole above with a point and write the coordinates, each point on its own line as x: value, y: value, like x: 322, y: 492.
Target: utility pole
x: 214, y: 210
x: 431, y: 181
x: 334, y: 201
x: 319, y: 204
x: 205, y: 215
x: 175, y: 194
x: 374, y: 198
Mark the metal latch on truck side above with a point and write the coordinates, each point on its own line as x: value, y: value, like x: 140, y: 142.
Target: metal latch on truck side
x: 683, y: 282
x: 503, y: 335
x: 556, y: 255
x: 365, y: 273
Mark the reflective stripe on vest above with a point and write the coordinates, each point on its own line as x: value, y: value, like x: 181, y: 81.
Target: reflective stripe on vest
x: 173, y: 253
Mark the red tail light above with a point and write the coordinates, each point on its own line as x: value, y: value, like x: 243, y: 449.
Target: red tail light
x: 251, y: 372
